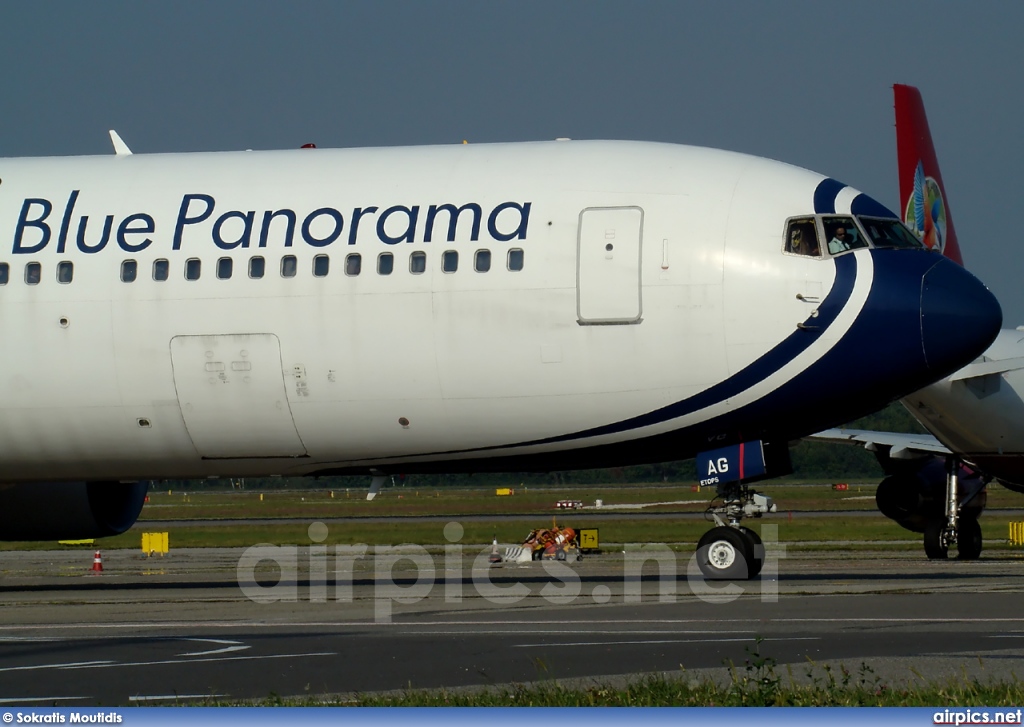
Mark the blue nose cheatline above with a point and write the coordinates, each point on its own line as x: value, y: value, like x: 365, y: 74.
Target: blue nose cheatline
x: 924, y: 318
x: 959, y: 317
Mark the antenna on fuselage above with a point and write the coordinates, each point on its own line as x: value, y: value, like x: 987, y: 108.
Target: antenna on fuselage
x: 120, y: 148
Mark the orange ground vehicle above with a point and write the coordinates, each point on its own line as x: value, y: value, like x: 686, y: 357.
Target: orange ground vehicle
x: 553, y: 543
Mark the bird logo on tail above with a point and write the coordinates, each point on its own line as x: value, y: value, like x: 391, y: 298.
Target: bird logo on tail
x: 926, y: 210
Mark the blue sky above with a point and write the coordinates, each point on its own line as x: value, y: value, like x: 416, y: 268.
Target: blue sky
x: 805, y: 82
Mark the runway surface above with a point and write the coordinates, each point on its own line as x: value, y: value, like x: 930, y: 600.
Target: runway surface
x: 184, y: 628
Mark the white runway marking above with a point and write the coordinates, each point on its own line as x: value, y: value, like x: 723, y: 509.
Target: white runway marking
x: 642, y: 505
x: 27, y: 700
x: 66, y: 665
x: 110, y: 664
x: 231, y: 646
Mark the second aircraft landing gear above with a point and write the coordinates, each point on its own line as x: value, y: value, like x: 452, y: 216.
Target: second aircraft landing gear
x: 731, y: 551
x: 956, y: 528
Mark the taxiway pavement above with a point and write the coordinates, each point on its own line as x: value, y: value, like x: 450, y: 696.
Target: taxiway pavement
x: 208, y: 623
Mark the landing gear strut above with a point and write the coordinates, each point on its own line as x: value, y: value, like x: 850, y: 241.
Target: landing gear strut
x: 731, y: 551
x: 956, y: 529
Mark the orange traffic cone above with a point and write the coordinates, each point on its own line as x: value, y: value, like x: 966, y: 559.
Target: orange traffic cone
x: 97, y: 563
x: 494, y: 557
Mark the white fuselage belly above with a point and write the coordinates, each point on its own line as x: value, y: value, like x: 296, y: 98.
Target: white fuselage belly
x: 981, y: 417
x: 185, y: 378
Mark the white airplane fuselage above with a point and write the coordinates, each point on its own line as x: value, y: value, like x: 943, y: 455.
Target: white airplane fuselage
x: 638, y: 305
x: 978, y: 412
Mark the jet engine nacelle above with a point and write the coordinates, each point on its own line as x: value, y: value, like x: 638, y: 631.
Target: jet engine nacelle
x: 914, y: 496
x: 69, y: 510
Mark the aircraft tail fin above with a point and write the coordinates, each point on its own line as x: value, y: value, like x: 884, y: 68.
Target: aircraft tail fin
x: 922, y: 194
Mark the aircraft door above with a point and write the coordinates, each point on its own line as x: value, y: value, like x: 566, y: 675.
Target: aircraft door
x: 608, y: 265
x: 232, y: 396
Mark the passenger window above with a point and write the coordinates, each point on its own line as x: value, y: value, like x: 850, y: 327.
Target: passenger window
x: 353, y: 264
x: 161, y: 269
x: 129, y: 271
x: 802, y: 237
x: 5, y: 273
x: 385, y: 263
x: 417, y: 262
x: 288, y: 266
x: 65, y: 272
x: 482, y: 262
x: 257, y: 266
x: 321, y: 266
x: 515, y: 259
x: 193, y: 267
x: 224, y: 268
x: 450, y: 261
x: 842, y: 234
x: 33, y: 273
x: 890, y: 233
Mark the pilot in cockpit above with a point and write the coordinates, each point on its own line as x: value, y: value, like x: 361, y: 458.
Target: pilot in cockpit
x: 803, y: 241
x: 840, y: 241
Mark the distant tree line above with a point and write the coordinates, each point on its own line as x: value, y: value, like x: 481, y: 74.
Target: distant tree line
x: 811, y: 460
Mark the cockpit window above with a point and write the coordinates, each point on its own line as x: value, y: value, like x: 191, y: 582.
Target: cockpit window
x: 842, y: 234
x: 802, y: 237
x: 890, y: 233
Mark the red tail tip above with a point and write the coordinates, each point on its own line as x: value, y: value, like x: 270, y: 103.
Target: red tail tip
x: 922, y: 193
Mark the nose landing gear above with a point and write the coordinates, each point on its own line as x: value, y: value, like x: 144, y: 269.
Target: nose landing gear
x: 730, y: 551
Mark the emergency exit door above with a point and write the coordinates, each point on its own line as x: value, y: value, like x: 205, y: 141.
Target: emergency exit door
x: 608, y: 289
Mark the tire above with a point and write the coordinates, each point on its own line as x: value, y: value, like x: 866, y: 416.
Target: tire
x: 725, y: 554
x: 756, y: 550
x: 968, y: 539
x: 934, y: 548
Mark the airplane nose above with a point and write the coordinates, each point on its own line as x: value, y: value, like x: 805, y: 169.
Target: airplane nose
x: 959, y: 317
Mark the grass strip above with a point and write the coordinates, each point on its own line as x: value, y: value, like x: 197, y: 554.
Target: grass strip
x: 757, y: 683
x: 802, y: 532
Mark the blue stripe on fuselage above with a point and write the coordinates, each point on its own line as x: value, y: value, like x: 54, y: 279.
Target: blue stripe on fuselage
x: 794, y: 344
x: 827, y: 191
x: 825, y: 195
x: 864, y: 205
